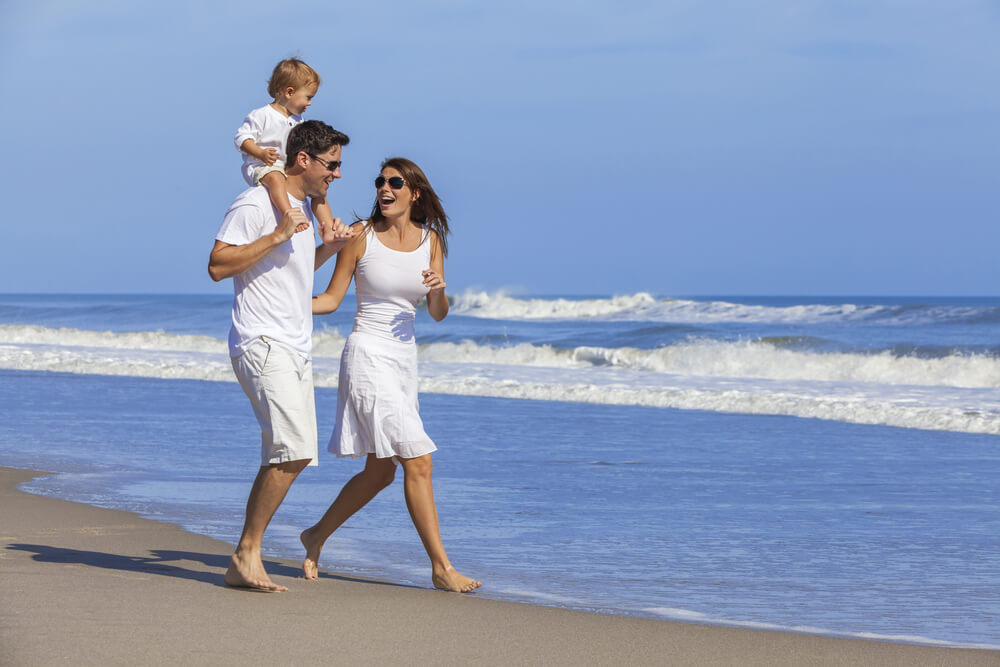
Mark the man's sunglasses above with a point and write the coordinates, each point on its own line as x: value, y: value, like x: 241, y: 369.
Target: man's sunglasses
x: 395, y: 182
x: 331, y: 165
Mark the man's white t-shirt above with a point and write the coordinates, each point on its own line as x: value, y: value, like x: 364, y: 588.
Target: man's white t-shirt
x: 273, y: 297
x: 268, y: 129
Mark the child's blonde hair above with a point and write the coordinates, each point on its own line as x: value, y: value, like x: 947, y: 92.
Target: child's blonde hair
x: 291, y: 72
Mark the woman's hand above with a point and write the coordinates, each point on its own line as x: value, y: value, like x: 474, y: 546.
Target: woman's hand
x: 433, y: 280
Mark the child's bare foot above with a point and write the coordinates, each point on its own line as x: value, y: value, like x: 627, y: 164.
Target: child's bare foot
x: 247, y: 571
x: 310, y: 566
x: 449, y: 579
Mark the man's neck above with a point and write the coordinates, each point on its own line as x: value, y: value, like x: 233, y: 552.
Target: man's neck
x: 294, y: 187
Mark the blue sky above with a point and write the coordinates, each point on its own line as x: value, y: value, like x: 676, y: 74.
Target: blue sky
x: 679, y: 148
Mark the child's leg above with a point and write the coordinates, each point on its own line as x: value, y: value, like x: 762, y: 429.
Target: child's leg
x: 274, y: 181
x: 331, y: 230
x: 320, y: 209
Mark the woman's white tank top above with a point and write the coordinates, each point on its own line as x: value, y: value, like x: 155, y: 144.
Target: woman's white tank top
x: 389, y: 285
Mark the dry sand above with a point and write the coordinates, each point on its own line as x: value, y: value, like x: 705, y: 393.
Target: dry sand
x: 80, y: 585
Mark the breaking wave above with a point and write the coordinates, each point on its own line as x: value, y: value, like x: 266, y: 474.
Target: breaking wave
x: 642, y: 306
x: 957, y: 392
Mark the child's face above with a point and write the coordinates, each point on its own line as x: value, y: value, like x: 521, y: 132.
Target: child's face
x: 300, y: 98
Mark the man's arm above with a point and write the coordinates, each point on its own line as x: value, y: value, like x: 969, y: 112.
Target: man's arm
x: 225, y: 260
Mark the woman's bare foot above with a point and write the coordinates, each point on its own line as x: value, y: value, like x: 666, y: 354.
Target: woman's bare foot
x: 449, y: 579
x: 247, y: 571
x: 310, y: 566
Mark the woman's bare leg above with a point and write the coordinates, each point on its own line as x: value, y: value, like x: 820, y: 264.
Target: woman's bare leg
x: 377, y: 474
x: 419, y: 490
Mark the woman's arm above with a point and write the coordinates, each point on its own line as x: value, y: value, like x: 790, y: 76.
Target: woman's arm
x: 343, y: 272
x: 437, y: 300
x: 333, y: 233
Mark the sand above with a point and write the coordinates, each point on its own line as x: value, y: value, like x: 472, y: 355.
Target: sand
x: 81, y: 585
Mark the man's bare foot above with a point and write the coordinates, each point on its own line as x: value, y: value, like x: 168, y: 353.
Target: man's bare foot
x: 310, y: 566
x: 450, y: 579
x: 247, y: 571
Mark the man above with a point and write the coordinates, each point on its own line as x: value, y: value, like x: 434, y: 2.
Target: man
x: 270, y: 343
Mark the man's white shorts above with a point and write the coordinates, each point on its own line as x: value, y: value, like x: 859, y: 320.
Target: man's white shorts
x: 279, y: 384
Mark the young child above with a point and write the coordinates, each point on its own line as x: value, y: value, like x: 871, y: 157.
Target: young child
x: 261, y: 138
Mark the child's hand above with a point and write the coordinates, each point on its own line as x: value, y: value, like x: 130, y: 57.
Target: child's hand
x: 270, y: 156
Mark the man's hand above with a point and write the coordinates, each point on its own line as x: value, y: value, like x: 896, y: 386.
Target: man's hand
x: 269, y: 156
x: 337, y: 232
x: 292, y: 221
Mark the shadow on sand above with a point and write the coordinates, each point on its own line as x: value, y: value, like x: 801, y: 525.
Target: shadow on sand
x: 166, y: 563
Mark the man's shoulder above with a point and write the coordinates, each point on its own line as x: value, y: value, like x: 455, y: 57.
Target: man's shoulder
x: 253, y: 197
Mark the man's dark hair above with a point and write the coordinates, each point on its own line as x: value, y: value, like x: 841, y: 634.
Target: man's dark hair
x: 312, y: 137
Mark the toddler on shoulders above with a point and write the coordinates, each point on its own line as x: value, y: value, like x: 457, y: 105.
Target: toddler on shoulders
x: 262, y: 136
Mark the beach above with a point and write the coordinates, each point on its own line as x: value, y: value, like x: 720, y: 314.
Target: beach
x: 90, y: 586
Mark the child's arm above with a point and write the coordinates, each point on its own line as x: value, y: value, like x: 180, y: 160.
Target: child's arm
x: 266, y: 155
x: 247, y: 136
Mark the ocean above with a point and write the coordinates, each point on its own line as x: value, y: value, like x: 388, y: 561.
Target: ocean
x: 823, y: 465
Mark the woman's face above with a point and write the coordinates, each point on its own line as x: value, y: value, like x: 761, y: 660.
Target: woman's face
x: 392, y: 193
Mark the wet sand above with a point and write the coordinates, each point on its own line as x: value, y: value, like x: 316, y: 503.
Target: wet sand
x: 83, y: 585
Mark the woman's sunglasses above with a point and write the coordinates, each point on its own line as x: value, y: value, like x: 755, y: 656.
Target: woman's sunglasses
x: 395, y: 182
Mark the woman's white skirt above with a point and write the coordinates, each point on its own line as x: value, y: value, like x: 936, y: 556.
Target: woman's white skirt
x: 377, y: 407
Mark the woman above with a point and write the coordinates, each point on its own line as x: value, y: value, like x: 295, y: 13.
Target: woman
x: 396, y: 258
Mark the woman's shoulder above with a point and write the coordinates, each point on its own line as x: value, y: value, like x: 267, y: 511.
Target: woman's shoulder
x: 433, y: 242
x: 356, y: 246
x: 431, y: 236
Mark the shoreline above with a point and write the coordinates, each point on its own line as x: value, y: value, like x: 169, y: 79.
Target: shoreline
x: 89, y: 585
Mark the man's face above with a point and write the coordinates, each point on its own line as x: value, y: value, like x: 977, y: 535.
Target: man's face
x: 317, y: 177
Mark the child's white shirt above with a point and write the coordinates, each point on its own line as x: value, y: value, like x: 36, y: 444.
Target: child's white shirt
x: 268, y: 129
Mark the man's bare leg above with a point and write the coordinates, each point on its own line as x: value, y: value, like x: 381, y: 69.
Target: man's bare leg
x: 360, y: 489
x: 419, y: 491
x: 246, y: 569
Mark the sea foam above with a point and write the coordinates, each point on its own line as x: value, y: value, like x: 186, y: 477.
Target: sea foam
x: 954, y: 393
x: 643, y: 306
